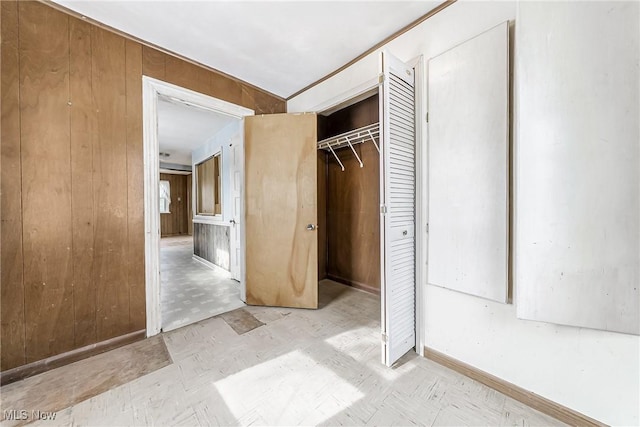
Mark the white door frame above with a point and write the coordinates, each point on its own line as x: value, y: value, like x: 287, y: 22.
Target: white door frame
x: 236, y: 221
x: 421, y: 197
x: 152, y: 89
x: 368, y: 88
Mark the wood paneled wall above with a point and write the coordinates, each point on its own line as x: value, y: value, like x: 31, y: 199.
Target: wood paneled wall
x: 190, y: 204
x: 211, y: 242
x: 72, y: 177
x: 322, y: 213
x: 177, y: 222
x: 352, y: 201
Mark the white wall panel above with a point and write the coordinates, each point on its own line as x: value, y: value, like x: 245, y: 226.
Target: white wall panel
x: 578, y: 164
x: 468, y: 154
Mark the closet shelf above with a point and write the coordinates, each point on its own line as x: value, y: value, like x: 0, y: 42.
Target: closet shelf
x: 356, y: 136
x: 351, y: 138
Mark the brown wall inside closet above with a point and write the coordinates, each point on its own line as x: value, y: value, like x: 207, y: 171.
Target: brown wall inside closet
x: 177, y: 222
x: 352, y: 202
x: 72, y: 177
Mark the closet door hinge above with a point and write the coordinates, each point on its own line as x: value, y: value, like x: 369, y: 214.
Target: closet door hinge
x: 384, y: 337
x: 427, y: 227
x: 380, y: 78
x: 383, y: 209
x: 427, y: 118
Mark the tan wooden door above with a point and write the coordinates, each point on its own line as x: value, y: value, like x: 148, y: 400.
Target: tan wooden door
x: 281, y: 210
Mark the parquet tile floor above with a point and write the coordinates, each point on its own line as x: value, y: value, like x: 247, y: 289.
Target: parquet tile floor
x: 189, y: 290
x: 302, y: 367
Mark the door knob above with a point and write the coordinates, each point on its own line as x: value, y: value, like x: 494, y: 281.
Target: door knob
x: 311, y: 227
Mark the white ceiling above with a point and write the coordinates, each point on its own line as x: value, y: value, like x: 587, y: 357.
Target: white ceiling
x: 182, y: 128
x: 279, y: 46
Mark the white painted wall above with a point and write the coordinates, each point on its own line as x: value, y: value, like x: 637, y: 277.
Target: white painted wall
x: 594, y: 372
x: 580, y: 171
x: 216, y: 143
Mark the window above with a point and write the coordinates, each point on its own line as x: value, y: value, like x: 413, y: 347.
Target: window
x: 208, y: 187
x: 165, y: 196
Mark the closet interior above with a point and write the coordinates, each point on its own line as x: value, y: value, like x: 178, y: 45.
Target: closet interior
x: 349, y: 195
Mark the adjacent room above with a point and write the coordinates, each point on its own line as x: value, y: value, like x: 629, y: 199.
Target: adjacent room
x: 320, y: 213
x: 195, y: 266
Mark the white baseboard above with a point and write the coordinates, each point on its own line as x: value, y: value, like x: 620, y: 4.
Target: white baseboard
x: 212, y: 266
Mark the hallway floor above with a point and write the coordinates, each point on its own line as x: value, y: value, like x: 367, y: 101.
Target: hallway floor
x: 295, y: 367
x: 191, y: 291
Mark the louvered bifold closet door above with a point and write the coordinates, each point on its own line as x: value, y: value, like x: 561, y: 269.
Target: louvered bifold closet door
x: 398, y: 189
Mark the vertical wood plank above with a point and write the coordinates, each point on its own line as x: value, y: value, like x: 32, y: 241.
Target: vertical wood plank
x: 175, y: 223
x: 165, y: 225
x: 46, y: 180
x: 153, y: 63
x: 135, y: 180
x: 225, y: 88
x: 187, y: 75
x: 248, y: 99
x: 206, y: 187
x: 322, y: 200
x: 268, y: 104
x: 182, y: 203
x: 83, y: 127
x: 322, y: 215
x: 175, y: 203
x: 261, y: 102
x: 12, y: 353
x: 110, y: 185
x: 211, y: 242
x: 353, y: 218
x: 189, y: 205
x: 166, y: 219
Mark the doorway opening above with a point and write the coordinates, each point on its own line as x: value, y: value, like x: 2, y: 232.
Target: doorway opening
x: 196, y: 278
x: 349, y: 196
x: 358, y: 223
x: 194, y: 244
x: 349, y: 238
